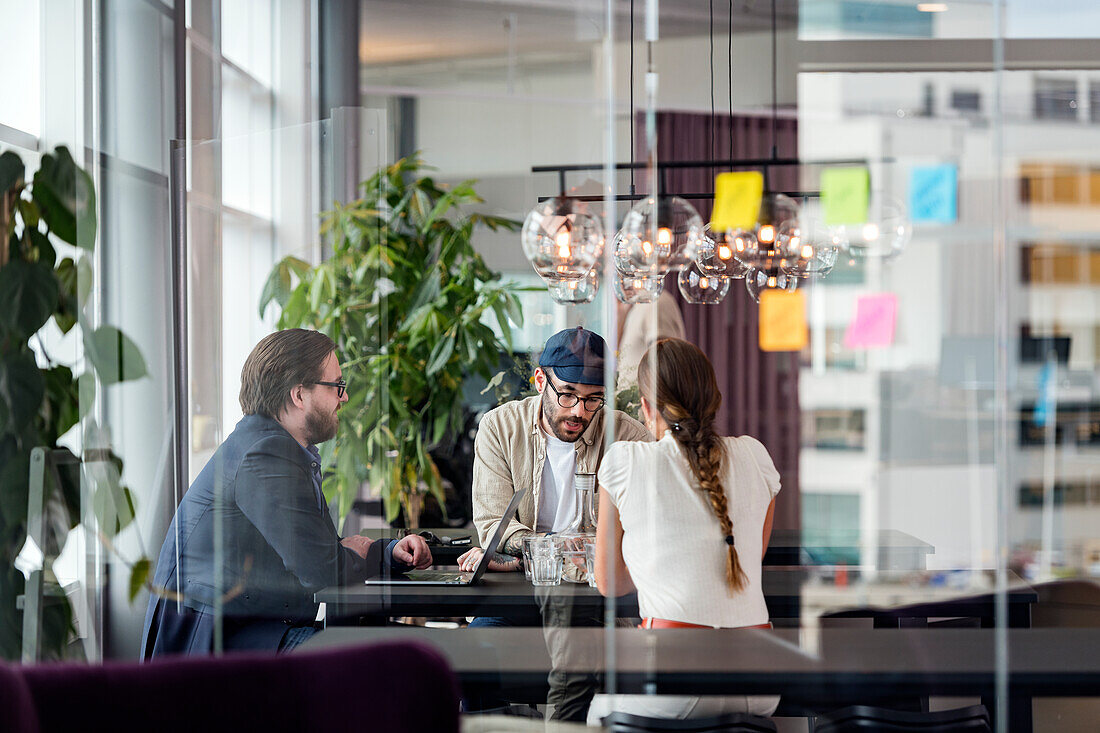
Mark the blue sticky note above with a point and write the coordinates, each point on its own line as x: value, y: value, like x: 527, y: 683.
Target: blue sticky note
x: 934, y: 193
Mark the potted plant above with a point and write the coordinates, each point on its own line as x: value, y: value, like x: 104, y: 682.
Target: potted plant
x: 48, y: 224
x: 404, y: 295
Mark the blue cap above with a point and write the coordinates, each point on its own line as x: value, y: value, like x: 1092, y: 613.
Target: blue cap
x: 575, y: 355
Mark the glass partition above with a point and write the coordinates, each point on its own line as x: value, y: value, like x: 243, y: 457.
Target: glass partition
x: 724, y: 357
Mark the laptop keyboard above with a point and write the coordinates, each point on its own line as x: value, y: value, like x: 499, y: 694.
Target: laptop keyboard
x: 449, y: 576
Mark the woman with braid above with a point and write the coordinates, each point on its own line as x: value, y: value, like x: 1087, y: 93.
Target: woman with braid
x: 685, y: 521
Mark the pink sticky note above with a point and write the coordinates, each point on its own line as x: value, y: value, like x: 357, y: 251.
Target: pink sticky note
x: 873, y: 325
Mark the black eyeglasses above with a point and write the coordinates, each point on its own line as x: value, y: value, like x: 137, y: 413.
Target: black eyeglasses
x: 341, y: 387
x: 569, y: 400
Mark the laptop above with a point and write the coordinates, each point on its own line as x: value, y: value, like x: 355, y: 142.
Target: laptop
x: 456, y: 577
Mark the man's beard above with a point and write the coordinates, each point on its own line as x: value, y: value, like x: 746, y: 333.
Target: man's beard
x: 550, y: 407
x: 321, y: 426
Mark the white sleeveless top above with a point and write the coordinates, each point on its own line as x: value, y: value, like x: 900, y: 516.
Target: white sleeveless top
x: 673, y: 544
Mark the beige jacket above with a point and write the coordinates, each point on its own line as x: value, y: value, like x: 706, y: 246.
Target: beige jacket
x: 509, y: 453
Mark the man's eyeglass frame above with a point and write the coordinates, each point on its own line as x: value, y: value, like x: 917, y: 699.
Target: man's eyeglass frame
x: 573, y: 399
x: 341, y: 387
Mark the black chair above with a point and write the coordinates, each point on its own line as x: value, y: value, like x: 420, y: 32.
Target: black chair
x: 728, y: 723
x: 862, y: 718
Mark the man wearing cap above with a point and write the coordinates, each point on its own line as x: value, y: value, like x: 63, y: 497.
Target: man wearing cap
x: 539, y: 443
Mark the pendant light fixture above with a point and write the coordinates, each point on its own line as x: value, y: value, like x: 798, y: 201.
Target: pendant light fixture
x: 576, y: 292
x: 885, y: 233
x: 632, y: 289
x: 561, y: 239
x: 697, y: 286
x: 717, y: 253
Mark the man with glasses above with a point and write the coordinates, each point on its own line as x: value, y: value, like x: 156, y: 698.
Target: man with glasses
x: 538, y: 444
x: 253, y: 534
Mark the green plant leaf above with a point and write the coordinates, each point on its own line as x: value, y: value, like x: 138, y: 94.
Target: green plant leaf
x: 46, y: 253
x: 441, y: 353
x: 66, y: 198
x: 63, y: 400
x: 115, y: 357
x: 139, y: 573
x: 21, y: 390
x: 86, y: 390
x: 29, y: 292
x: 12, y: 170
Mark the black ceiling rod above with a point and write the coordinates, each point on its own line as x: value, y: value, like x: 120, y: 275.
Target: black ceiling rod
x: 729, y: 163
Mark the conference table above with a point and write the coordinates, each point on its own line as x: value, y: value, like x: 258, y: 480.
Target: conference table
x: 810, y: 668
x: 895, y: 550
x: 892, y: 600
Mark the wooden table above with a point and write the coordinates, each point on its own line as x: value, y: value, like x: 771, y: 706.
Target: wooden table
x: 811, y: 668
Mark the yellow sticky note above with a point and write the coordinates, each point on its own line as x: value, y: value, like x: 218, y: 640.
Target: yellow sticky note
x: 736, y: 200
x: 783, y: 321
x: 845, y: 194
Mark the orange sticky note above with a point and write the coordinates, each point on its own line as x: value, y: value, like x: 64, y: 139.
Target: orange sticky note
x: 783, y: 321
x: 737, y: 199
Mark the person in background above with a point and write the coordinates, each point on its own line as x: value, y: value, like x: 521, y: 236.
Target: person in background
x: 639, y: 326
x: 685, y: 521
x: 253, y: 532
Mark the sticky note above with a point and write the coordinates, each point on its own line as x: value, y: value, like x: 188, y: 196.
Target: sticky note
x: 874, y: 322
x: 845, y: 193
x: 933, y: 193
x: 737, y: 199
x: 783, y: 321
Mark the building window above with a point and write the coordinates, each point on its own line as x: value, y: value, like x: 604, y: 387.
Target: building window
x: 833, y: 429
x: 968, y: 101
x: 1055, y: 99
x: 830, y: 528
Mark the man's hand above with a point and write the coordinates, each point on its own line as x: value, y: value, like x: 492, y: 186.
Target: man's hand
x: 357, y: 544
x: 413, y: 550
x: 497, y: 563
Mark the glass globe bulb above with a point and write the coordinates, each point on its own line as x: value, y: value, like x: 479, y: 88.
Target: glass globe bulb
x: 809, y: 247
x: 575, y: 292
x: 717, y: 256
x: 620, y: 251
x: 632, y: 289
x: 561, y: 239
x: 775, y: 208
x: 759, y: 280
x: 659, y: 234
x: 699, y: 287
x: 884, y: 234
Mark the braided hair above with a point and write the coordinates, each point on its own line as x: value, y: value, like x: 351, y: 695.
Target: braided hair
x: 681, y: 379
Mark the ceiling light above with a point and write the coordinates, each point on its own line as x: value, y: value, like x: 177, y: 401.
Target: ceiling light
x: 931, y: 7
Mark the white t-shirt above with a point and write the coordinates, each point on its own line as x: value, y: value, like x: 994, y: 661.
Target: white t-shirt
x: 673, y: 544
x: 557, y: 500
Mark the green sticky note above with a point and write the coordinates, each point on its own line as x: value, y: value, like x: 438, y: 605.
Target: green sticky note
x: 845, y: 193
x: 737, y: 199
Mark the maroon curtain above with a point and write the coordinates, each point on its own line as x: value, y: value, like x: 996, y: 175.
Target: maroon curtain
x: 759, y: 389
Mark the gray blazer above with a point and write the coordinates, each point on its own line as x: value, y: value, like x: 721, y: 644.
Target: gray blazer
x: 274, y: 548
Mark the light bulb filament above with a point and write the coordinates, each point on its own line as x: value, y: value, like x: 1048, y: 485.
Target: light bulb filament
x: 664, y: 236
x: 724, y: 252
x: 562, y: 240
x: 767, y: 233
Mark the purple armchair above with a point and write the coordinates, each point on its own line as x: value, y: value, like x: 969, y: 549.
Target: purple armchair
x: 399, y: 686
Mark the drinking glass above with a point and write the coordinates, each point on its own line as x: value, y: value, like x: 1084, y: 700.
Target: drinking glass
x: 590, y: 562
x: 527, y: 554
x: 546, y: 562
